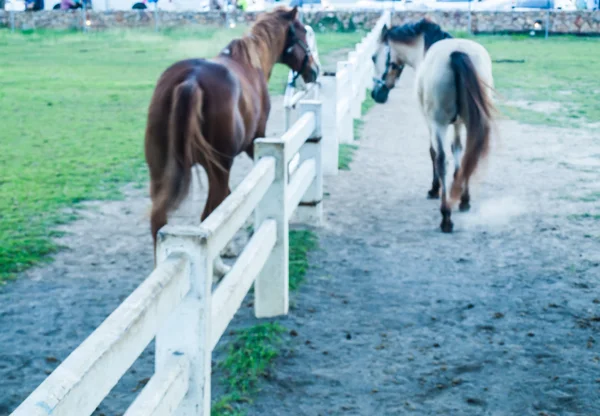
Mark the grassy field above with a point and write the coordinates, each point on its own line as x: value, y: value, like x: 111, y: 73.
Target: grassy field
x: 74, y: 111
x: 561, y: 72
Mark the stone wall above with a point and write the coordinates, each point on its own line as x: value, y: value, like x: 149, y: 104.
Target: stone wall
x: 576, y: 22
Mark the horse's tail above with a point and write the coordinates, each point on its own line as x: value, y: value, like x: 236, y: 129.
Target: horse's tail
x: 186, y: 142
x: 475, y: 108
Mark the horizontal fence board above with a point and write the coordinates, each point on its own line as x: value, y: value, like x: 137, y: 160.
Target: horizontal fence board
x: 222, y: 224
x: 293, y: 165
x: 88, y: 374
x: 299, y: 183
x: 295, y: 137
x: 299, y: 95
x: 230, y: 293
x: 165, y: 390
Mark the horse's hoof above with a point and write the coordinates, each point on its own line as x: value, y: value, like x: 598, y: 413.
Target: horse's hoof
x: 230, y: 251
x: 447, y: 226
x: 220, y: 269
x: 464, y: 206
x: 433, y: 194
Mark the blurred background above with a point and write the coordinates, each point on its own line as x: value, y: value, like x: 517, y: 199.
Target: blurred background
x: 325, y: 5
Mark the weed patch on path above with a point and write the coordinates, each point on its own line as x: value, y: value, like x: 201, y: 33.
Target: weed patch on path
x: 255, y: 348
x: 346, y: 150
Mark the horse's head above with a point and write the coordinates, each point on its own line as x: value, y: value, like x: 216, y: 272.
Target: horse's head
x: 296, y: 52
x: 388, y: 68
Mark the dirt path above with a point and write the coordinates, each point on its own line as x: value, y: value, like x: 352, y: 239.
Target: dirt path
x: 500, y: 318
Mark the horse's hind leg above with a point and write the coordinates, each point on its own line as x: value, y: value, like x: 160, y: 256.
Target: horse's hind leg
x: 440, y: 165
x: 434, y: 192
x: 457, y: 151
x: 465, y: 199
x: 218, y: 190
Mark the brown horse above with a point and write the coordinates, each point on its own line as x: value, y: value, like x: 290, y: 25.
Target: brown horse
x: 208, y: 111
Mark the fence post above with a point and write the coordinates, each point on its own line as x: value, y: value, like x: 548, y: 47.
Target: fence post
x: 289, y: 93
x: 330, y: 126
x: 156, y: 22
x: 12, y: 20
x: 310, y: 209
x: 187, y: 330
x: 83, y: 20
x: 343, y: 106
x: 271, y: 297
x: 547, y: 25
x: 361, y: 61
x: 470, y: 24
x: 355, y: 103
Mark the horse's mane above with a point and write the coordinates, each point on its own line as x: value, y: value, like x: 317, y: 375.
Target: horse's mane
x: 264, y: 37
x: 409, y: 32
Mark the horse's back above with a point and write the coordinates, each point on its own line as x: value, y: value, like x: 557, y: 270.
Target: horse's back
x: 217, y: 82
x: 436, y: 81
x: 438, y: 57
x: 220, y: 94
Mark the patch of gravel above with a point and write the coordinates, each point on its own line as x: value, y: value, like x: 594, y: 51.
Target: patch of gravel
x: 500, y: 318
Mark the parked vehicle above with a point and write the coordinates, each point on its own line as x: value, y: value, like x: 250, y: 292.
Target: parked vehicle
x: 311, y: 4
x: 381, y: 4
x: 453, y: 4
x: 14, y: 5
x: 482, y: 5
x: 166, y: 5
x: 503, y: 5
x: 523, y: 5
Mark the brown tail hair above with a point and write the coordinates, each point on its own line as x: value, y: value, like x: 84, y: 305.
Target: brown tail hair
x: 186, y: 143
x: 475, y: 108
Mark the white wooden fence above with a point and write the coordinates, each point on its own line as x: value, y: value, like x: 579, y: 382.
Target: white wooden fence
x: 175, y: 303
x: 342, y: 94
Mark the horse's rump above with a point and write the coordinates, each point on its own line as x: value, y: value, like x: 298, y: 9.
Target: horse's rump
x: 176, y: 133
x: 475, y: 109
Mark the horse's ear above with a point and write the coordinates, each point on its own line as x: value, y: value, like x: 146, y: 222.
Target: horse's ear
x: 291, y: 15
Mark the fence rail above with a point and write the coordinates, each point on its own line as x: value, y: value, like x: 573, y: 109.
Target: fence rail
x: 176, y: 304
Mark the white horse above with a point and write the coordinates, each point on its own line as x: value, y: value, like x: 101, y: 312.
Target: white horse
x: 454, y: 87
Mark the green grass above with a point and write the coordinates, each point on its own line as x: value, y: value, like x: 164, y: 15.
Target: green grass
x: 561, y: 69
x: 366, y: 105
x: 301, y: 242
x: 74, y: 111
x: 252, y: 353
x: 346, y: 154
x: 589, y: 198
x: 248, y: 358
x: 584, y: 216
